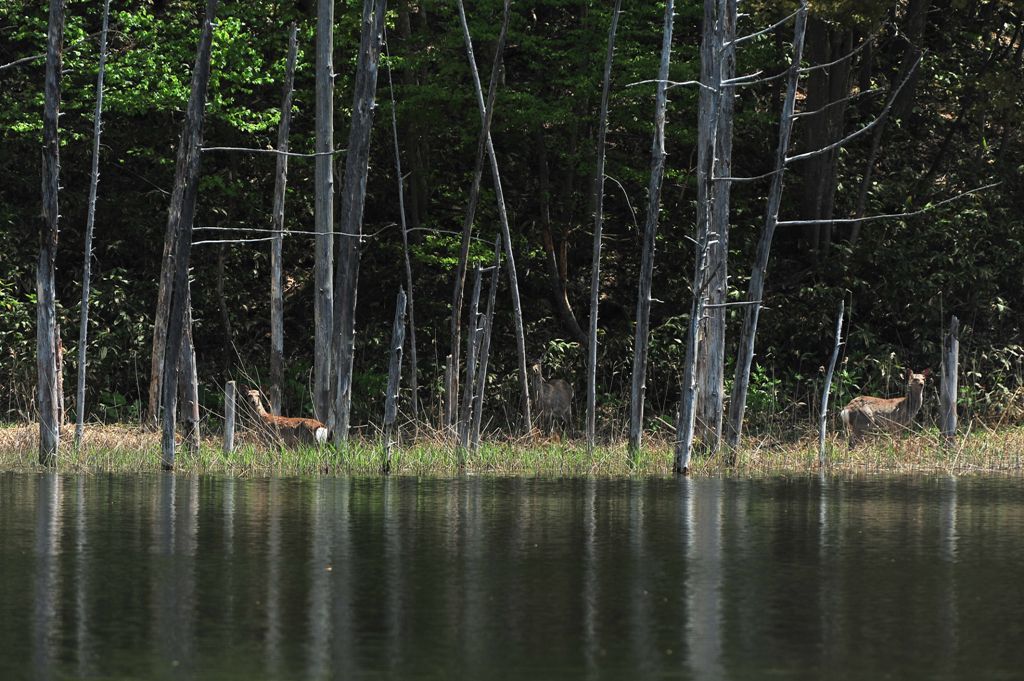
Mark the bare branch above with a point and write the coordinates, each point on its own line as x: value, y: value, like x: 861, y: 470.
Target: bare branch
x: 889, y: 216
x: 771, y: 28
x: 748, y: 179
x: 275, y: 151
x: 838, y: 101
x: 864, y: 129
x: 671, y: 83
x: 849, y: 55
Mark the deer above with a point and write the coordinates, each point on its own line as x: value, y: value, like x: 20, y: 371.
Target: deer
x: 292, y: 431
x: 866, y: 413
x: 553, y: 398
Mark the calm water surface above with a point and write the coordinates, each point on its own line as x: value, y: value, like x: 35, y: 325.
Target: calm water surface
x: 168, y: 577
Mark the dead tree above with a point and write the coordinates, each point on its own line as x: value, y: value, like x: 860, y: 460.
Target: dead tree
x: 394, y: 379
x: 413, y: 366
x: 47, y: 359
x: 643, y: 303
x: 485, y: 350
x: 276, y: 246
x: 451, y: 388
x: 90, y: 221
x: 823, y: 411
x: 595, y: 266
x: 517, y: 310
x: 323, y: 265
x: 948, y: 396
x: 714, y: 151
x: 752, y: 309
x: 353, y: 198
x: 179, y: 222
x: 472, y: 344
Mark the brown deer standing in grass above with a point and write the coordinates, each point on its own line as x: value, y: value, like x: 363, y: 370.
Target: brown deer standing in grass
x: 553, y: 399
x: 867, y: 413
x: 292, y: 431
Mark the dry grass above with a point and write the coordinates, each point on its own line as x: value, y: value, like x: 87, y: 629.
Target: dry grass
x: 128, y: 449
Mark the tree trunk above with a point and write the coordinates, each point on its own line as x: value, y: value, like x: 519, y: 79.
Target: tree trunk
x: 556, y: 274
x: 517, y: 310
x: 227, y: 347
x: 188, y: 385
x: 826, y: 88
x: 485, y: 350
x: 717, y: 165
x: 277, y: 245
x: 90, y: 221
x: 394, y: 379
x: 353, y: 198
x: 458, y: 292
x: 179, y: 222
x: 595, y: 266
x: 823, y: 411
x: 413, y: 366
x: 323, y: 305
x: 46, y: 303
x: 950, y: 363
x: 755, y: 290
x: 472, y: 337
x: 643, y: 303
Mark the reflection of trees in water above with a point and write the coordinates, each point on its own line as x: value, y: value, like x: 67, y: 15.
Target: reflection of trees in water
x: 173, y: 579
x: 45, y: 621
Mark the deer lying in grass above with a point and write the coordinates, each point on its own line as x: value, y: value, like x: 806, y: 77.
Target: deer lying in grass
x: 553, y: 399
x: 867, y: 413
x: 292, y: 431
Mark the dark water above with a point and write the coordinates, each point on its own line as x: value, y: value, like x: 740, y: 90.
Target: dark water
x: 168, y: 577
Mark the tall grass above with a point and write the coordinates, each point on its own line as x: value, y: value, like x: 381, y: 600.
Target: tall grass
x: 125, y: 449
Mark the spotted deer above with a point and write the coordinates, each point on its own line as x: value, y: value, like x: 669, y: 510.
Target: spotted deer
x: 291, y: 431
x: 552, y: 399
x: 865, y: 413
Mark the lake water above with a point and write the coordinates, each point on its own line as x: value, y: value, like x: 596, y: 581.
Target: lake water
x: 165, y: 577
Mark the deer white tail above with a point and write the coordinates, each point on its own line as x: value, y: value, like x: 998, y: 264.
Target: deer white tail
x: 321, y: 435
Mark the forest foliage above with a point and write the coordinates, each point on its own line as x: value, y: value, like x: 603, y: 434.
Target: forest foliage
x: 955, y: 126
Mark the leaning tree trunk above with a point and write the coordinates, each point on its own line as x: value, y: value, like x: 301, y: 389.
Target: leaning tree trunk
x: 46, y: 302
x: 179, y: 221
x: 485, y: 350
x: 353, y: 198
x: 451, y: 388
x: 715, y: 211
x: 517, y: 310
x: 413, y: 366
x: 90, y: 221
x: 394, y: 380
x: 323, y: 254
x: 276, y: 246
x: 595, y: 266
x: 643, y: 302
x: 752, y: 309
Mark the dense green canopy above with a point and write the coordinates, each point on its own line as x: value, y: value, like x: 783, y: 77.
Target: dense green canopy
x: 954, y: 126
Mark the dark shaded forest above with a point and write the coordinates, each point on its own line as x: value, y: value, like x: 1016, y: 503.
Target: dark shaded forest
x: 954, y: 125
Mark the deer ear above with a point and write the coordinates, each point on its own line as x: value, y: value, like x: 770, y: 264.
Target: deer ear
x: 926, y: 373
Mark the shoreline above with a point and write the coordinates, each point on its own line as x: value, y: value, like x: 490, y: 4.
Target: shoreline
x: 131, y: 449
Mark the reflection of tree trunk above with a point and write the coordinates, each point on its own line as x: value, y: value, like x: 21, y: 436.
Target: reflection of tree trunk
x: 825, y: 88
x: 556, y: 263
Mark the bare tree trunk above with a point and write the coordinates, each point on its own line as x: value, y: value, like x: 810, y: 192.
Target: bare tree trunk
x: 643, y: 303
x: 413, y: 366
x: 179, y: 222
x: 823, y: 412
x: 229, y: 417
x: 950, y: 362
x: 517, y: 310
x: 323, y: 305
x: 188, y: 385
x: 277, y: 245
x: 90, y: 221
x: 711, y: 340
x: 745, y: 355
x: 687, y: 413
x: 46, y: 302
x: 485, y: 350
x: 472, y: 337
x: 458, y: 291
x: 595, y: 265
x: 394, y: 379
x: 353, y: 198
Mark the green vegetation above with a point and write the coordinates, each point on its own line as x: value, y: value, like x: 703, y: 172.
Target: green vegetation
x: 119, y: 449
x: 959, y: 125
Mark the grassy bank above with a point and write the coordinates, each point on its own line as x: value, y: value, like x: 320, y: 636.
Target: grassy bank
x: 128, y: 449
